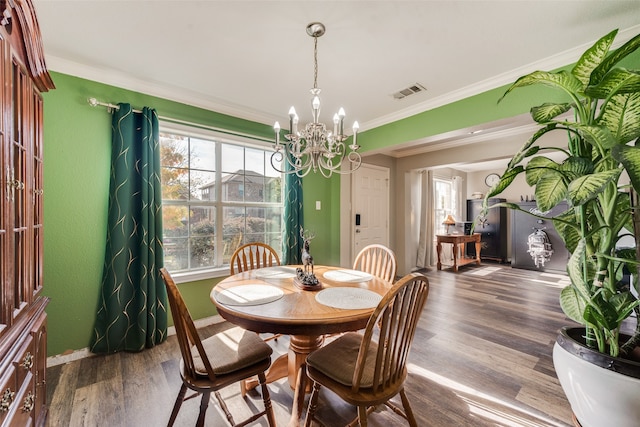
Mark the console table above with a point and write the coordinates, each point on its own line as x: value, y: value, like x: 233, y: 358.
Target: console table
x: 458, y: 241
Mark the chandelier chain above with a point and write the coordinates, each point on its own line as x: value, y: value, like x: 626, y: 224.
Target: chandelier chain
x: 315, y: 62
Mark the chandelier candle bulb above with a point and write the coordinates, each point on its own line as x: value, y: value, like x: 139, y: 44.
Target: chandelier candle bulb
x: 315, y: 105
x: 356, y: 126
x: 276, y: 128
x: 292, y: 114
x: 341, y: 115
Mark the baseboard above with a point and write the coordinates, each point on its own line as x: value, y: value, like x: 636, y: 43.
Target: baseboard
x: 82, y: 353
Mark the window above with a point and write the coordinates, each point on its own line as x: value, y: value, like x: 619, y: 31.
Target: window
x: 445, y: 203
x: 217, y: 194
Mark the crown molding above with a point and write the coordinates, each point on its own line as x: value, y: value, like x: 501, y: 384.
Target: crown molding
x: 195, y: 99
x: 160, y: 90
x: 558, y: 60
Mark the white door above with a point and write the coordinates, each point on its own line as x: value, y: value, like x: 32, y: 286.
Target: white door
x: 370, y: 195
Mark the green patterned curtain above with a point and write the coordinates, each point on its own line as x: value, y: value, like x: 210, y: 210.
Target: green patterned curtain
x: 293, y: 219
x: 132, y: 311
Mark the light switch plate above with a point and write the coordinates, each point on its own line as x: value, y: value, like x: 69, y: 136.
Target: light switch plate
x: 318, y: 205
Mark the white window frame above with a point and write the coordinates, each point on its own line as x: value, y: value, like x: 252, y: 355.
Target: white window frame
x: 218, y: 203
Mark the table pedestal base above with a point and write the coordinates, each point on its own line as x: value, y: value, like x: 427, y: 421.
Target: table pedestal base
x: 288, y: 365
x: 291, y: 365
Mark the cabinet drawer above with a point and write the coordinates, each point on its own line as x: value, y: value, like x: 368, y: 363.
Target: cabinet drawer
x: 25, y: 360
x: 8, y: 393
x: 23, y: 404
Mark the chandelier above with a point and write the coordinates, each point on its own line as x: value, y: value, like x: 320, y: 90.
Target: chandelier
x: 315, y: 148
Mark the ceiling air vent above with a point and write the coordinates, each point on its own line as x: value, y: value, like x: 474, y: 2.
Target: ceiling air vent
x: 414, y: 88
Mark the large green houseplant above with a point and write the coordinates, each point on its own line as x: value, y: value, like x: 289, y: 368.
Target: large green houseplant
x: 601, y: 117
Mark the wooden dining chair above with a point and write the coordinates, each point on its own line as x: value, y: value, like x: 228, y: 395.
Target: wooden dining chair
x: 366, y: 373
x: 378, y: 260
x: 216, y: 362
x: 253, y: 255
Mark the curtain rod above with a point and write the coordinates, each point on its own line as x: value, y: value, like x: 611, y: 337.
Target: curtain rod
x: 113, y: 107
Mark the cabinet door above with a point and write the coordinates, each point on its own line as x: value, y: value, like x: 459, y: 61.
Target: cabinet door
x: 36, y: 194
x: 491, y: 228
x: 22, y: 187
x: 6, y: 214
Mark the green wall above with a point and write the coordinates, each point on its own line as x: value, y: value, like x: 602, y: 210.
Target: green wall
x: 77, y: 155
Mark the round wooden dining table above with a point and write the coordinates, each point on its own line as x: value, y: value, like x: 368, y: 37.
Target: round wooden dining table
x: 268, y: 300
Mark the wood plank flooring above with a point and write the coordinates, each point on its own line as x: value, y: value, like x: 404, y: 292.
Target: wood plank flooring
x: 482, y: 357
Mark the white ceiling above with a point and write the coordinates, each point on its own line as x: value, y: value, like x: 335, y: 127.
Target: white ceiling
x: 253, y: 59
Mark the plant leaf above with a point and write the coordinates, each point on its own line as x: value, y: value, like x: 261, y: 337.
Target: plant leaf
x: 527, y: 147
x: 565, y: 225
x: 574, y: 270
x: 573, y: 167
x: 593, y: 57
x: 630, y: 158
x: 616, y: 56
x: 615, y: 81
x: 505, y: 180
x: 623, y: 303
x: 551, y: 189
x: 604, y: 316
x: 559, y: 80
x: 621, y: 115
x: 572, y: 304
x: 537, y: 167
x: 547, y: 112
x: 587, y: 187
x: 598, y: 136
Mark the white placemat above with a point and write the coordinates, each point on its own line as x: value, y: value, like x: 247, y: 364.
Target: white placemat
x: 348, y: 276
x: 278, y: 272
x: 348, y: 298
x: 254, y: 294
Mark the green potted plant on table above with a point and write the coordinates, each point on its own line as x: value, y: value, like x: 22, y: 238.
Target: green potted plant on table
x: 600, y: 170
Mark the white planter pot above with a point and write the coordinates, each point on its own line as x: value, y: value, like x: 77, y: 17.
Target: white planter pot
x: 603, y: 391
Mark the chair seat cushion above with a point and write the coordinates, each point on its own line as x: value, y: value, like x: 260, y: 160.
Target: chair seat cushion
x: 231, y: 350
x: 337, y: 360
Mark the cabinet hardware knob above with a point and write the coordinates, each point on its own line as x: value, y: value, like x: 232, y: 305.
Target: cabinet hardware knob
x: 27, y: 362
x: 29, y: 401
x: 7, y: 399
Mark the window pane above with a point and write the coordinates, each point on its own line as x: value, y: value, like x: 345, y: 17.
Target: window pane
x: 174, y: 219
x: 175, y: 183
x: 174, y: 150
x: 253, y: 187
x: 232, y: 158
x: 203, y: 185
x: 273, y: 189
x: 175, y: 253
x: 202, y: 155
x: 203, y: 237
x: 254, y: 160
x: 233, y: 187
x: 273, y: 218
x: 270, y: 162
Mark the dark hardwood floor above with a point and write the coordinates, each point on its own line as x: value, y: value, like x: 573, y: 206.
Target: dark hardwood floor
x: 481, y: 357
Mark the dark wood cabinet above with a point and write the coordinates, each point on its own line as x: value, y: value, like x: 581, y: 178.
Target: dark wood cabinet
x: 523, y: 225
x: 491, y: 227
x: 23, y: 321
